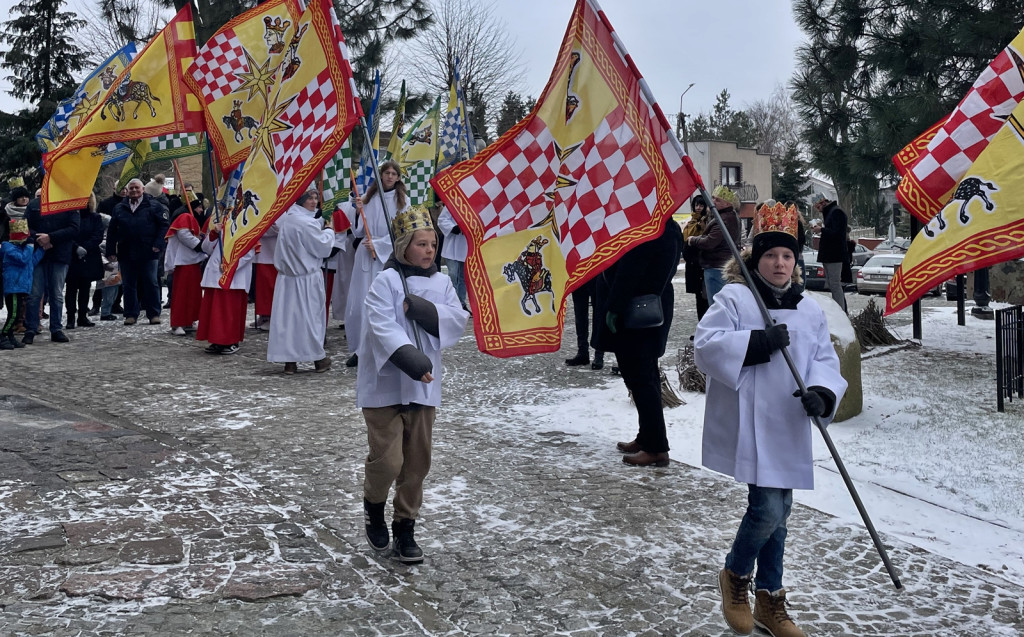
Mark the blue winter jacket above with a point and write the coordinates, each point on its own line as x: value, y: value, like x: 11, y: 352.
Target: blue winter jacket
x: 19, y: 264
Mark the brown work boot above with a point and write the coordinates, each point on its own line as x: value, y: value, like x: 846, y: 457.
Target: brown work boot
x: 770, y: 614
x: 646, y: 459
x: 322, y: 365
x: 628, y: 447
x: 735, y: 605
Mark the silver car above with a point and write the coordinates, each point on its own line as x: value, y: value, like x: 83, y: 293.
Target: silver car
x: 874, y: 277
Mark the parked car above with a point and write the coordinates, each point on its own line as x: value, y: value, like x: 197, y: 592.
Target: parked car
x: 899, y: 246
x: 860, y: 255
x: 876, y: 274
x: 814, y: 274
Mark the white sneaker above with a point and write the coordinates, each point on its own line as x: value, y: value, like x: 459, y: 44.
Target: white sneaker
x: 178, y: 331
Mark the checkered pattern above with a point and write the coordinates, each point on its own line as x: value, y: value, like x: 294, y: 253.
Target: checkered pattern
x: 174, y: 142
x: 417, y: 179
x: 336, y: 175
x: 215, y: 67
x: 312, y: 117
x: 614, y: 187
x: 451, y: 144
x: 969, y: 129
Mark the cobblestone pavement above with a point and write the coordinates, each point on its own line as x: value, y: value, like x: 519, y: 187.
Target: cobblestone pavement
x: 148, y: 488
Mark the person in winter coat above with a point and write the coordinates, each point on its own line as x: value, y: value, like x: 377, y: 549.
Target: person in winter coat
x: 86, y: 266
x: 135, y: 240
x: 398, y: 386
x: 372, y: 245
x: 298, y: 330
x: 183, y: 260
x: 19, y: 258
x: 713, y: 247
x: 691, y: 254
x: 646, y: 269
x: 832, y: 251
x: 757, y: 424
x: 55, y: 235
x: 11, y: 211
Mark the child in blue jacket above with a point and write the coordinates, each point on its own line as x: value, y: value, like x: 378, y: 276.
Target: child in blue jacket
x: 19, y: 257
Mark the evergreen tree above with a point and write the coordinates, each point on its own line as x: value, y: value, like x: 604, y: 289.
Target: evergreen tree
x: 42, y: 57
x: 513, y: 109
x: 790, y: 182
x: 724, y: 123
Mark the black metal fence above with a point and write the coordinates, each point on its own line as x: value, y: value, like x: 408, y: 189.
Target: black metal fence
x: 1009, y: 354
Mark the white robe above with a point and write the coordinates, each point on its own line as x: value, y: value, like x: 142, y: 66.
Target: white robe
x: 379, y: 383
x: 341, y: 263
x: 211, y: 275
x: 298, y: 329
x: 268, y: 243
x: 365, y: 267
x: 455, y: 246
x: 181, y: 250
x: 754, y: 429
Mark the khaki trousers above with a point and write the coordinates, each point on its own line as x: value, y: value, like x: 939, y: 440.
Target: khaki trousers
x: 399, y: 438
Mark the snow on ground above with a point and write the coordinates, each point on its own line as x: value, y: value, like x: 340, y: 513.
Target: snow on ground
x: 934, y: 463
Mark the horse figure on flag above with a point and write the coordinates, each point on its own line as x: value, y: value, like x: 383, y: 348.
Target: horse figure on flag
x: 533, y: 276
x: 129, y: 91
x: 237, y: 122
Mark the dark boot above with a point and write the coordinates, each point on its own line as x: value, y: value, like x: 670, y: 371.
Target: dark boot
x: 376, y: 528
x: 598, y: 360
x: 70, y: 323
x: 6, y: 342
x: 406, y: 549
x: 15, y: 342
x: 581, y: 358
x: 353, y: 361
x: 83, y: 321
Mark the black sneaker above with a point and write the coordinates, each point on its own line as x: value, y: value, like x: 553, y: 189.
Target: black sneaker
x: 352, y: 361
x: 28, y: 338
x: 376, y: 529
x: 108, y: 317
x: 582, y: 358
x: 84, y: 322
x: 228, y: 349
x: 406, y: 549
x: 59, y: 337
x: 213, y: 349
x: 7, y: 342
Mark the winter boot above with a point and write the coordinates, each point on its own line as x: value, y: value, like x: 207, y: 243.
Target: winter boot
x: 15, y: 342
x: 376, y: 528
x: 6, y: 342
x: 735, y: 605
x: 406, y: 549
x: 582, y: 357
x: 770, y: 614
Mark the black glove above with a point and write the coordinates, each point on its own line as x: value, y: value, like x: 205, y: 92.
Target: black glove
x: 199, y: 247
x: 456, y: 230
x: 778, y: 336
x: 411, y: 361
x: 423, y: 312
x: 355, y: 243
x: 817, y: 401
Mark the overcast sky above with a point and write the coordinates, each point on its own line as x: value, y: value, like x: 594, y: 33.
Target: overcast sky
x: 745, y: 46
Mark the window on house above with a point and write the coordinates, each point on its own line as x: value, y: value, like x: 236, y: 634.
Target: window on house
x: 732, y: 174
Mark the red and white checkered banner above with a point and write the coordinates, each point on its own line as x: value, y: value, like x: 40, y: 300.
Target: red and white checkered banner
x: 591, y: 172
x: 309, y: 115
x: 934, y: 163
x: 234, y: 73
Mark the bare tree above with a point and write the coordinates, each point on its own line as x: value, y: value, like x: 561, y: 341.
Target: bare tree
x: 111, y: 24
x: 489, y: 58
x: 776, y: 124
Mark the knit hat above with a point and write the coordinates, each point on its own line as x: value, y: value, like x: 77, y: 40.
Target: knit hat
x: 405, y: 226
x: 153, y: 189
x: 723, y: 193
x: 778, y: 226
x: 19, y: 192
x: 19, y: 230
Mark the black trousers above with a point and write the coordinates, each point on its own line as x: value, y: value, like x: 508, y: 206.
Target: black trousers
x: 642, y: 377
x: 583, y: 298
x: 76, y: 298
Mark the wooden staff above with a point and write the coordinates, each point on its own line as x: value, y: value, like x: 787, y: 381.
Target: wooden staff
x: 362, y: 215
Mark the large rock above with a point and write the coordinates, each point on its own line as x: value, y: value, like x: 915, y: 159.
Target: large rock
x: 844, y: 339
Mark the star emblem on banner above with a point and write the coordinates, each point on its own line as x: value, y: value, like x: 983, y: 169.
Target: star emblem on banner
x: 83, y: 108
x: 272, y: 123
x: 562, y: 180
x: 257, y: 80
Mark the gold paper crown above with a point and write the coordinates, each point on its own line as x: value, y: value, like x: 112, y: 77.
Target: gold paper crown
x: 19, y: 230
x: 16, y: 182
x: 413, y: 219
x: 777, y: 218
x: 723, y: 193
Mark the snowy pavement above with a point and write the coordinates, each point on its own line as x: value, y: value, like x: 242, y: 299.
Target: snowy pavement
x: 148, y: 488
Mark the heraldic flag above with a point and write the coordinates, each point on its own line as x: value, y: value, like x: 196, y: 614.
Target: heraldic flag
x: 148, y: 99
x: 419, y: 149
x: 71, y: 111
x: 982, y: 225
x: 933, y: 164
x: 311, y: 112
x: 591, y: 172
x: 234, y: 74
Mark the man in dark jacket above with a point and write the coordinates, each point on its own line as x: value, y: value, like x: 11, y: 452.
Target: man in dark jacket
x: 55, y: 235
x: 713, y: 247
x: 106, y: 206
x: 135, y: 239
x: 646, y: 269
x: 832, y: 251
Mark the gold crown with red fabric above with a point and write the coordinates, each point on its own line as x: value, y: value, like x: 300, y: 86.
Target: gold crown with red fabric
x: 19, y: 230
x: 777, y: 218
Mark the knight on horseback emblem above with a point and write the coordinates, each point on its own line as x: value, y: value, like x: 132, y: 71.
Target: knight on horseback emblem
x: 533, y: 276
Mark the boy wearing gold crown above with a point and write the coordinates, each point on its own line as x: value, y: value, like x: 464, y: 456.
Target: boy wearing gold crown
x: 756, y: 427
x: 19, y: 257
x: 399, y: 386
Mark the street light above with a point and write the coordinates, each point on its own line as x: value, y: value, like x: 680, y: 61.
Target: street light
x: 681, y: 120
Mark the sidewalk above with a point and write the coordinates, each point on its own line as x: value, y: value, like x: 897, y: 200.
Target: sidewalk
x: 153, y: 489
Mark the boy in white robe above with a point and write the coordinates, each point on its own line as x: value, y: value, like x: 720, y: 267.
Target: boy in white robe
x: 298, y: 329
x: 398, y: 386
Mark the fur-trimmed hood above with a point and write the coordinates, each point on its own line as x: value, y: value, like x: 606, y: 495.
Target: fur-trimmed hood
x: 732, y: 273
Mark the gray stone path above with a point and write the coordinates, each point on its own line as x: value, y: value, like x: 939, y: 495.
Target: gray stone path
x: 147, y: 488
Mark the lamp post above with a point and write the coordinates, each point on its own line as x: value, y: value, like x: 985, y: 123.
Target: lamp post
x: 681, y: 120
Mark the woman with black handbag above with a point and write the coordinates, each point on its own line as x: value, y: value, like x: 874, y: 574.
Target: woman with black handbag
x: 635, y: 329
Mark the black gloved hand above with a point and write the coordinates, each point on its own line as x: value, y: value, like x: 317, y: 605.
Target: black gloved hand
x: 813, y: 402
x: 456, y: 230
x: 199, y: 247
x: 355, y: 243
x: 423, y: 312
x: 778, y: 336
x: 411, y: 361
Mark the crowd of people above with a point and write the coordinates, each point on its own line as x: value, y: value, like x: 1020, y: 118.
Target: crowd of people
x: 381, y: 273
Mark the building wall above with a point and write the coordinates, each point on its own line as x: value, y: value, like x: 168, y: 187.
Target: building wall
x: 756, y: 168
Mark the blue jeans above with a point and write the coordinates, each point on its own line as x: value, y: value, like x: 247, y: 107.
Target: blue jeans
x: 47, y: 278
x: 761, y: 537
x: 107, y: 297
x: 714, y: 281
x: 457, y: 273
x: 141, y: 290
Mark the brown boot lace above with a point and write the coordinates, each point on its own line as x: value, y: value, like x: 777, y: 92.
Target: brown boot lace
x: 740, y: 586
x: 777, y: 608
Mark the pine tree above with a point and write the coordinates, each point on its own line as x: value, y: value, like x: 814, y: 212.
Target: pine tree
x: 42, y: 56
x: 790, y: 182
x: 724, y: 123
x: 513, y: 109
